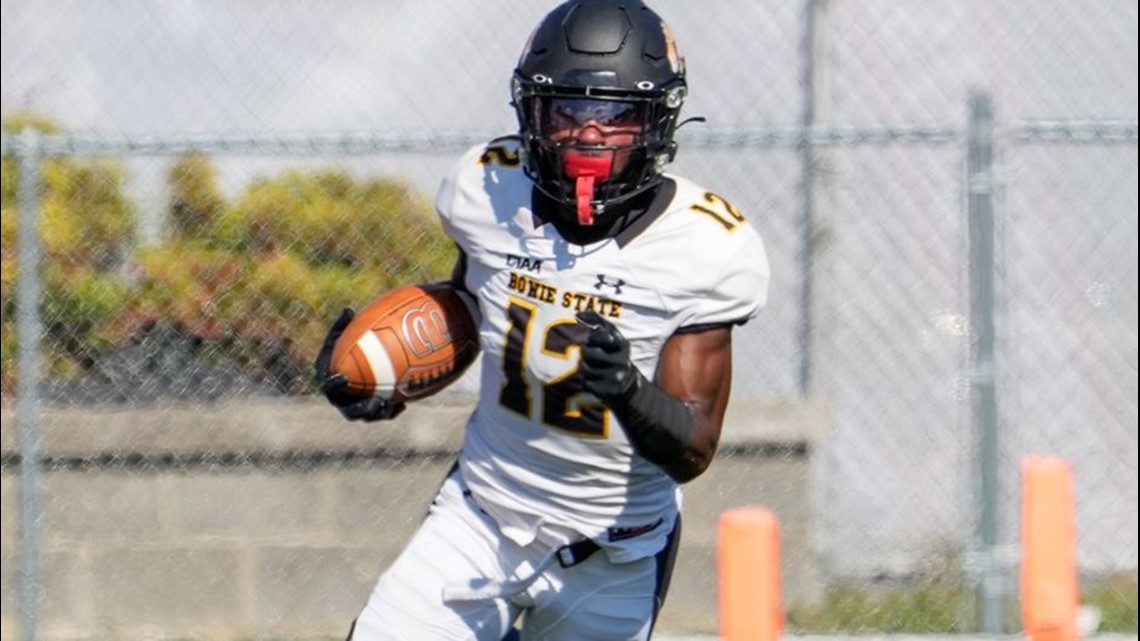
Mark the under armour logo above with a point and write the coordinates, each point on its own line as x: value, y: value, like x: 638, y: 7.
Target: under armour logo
x: 605, y: 282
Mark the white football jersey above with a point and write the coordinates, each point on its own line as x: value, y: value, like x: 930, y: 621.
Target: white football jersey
x: 541, y: 456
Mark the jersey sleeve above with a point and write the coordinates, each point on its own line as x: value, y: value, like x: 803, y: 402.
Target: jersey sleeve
x: 450, y: 189
x: 737, y: 293
x: 482, y: 187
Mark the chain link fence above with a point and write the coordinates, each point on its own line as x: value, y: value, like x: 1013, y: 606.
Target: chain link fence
x: 187, y: 275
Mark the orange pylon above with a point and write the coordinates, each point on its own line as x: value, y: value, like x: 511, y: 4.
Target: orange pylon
x: 748, y: 560
x: 1049, y: 598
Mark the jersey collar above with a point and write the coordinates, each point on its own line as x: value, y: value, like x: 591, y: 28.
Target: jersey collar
x: 623, y: 228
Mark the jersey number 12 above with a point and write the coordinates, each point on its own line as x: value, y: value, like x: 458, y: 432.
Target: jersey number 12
x: 560, y: 408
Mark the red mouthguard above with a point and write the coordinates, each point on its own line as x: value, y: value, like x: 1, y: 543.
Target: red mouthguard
x: 587, y: 170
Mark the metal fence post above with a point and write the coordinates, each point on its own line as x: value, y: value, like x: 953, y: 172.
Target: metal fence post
x: 815, y: 215
x: 27, y: 404
x: 980, y: 205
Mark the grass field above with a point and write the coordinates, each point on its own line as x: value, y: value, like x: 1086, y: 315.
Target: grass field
x: 944, y: 607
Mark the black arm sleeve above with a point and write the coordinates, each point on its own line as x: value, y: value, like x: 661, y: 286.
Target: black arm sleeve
x: 659, y: 427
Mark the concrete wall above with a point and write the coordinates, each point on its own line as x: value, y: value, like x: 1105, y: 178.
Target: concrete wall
x: 275, y: 518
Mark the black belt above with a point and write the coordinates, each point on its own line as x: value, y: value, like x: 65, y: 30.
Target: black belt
x: 575, y: 553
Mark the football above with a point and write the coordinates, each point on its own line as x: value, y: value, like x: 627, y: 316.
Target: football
x: 409, y: 343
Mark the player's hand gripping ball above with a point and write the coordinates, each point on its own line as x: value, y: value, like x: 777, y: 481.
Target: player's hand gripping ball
x: 406, y: 345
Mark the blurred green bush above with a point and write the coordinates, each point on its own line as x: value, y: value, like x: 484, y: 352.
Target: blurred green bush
x: 253, y: 278
x: 87, y: 228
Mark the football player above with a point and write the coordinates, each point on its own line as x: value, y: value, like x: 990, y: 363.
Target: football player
x: 608, y: 291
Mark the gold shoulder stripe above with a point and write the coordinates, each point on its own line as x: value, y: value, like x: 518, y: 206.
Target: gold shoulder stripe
x: 499, y: 155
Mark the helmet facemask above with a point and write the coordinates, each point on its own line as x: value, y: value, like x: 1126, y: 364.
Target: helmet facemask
x: 634, y: 136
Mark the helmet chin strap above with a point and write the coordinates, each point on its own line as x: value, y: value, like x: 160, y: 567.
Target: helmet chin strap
x: 586, y: 170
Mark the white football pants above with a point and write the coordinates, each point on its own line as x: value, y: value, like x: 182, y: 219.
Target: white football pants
x: 459, y: 546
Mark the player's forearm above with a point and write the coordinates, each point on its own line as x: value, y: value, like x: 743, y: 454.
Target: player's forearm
x: 662, y: 430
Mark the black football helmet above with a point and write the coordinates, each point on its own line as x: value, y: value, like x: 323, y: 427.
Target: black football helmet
x: 609, y: 61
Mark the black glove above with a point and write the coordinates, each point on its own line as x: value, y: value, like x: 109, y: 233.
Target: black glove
x: 354, y: 406
x: 608, y: 372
